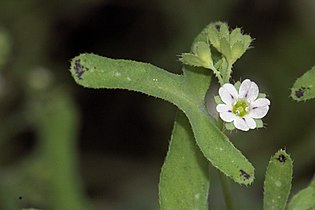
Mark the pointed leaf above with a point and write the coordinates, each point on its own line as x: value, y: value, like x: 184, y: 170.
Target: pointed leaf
x: 225, y: 48
x: 277, y: 183
x: 202, y: 50
x: 247, y: 40
x: 213, y: 36
x: 237, y: 50
x: 192, y: 60
x: 235, y: 36
x: 184, y: 179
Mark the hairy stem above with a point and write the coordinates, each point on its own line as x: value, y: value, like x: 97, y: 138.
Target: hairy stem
x: 223, y: 179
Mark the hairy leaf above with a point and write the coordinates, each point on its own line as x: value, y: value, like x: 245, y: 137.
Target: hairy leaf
x: 304, y: 200
x: 184, y: 180
x: 186, y: 91
x: 277, y: 183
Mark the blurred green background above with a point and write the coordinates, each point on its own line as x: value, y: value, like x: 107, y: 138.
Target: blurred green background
x: 66, y: 147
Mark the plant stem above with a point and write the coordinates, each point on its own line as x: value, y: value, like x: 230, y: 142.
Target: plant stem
x: 224, y: 181
x: 227, y: 192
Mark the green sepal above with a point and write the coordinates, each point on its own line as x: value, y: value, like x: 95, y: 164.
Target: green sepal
x: 247, y: 40
x: 224, y: 31
x: 218, y: 100
x: 214, y: 37
x: 191, y: 59
x: 262, y: 95
x: 259, y: 123
x: 201, y: 56
x: 237, y: 51
x: 229, y: 126
x: 237, y: 85
x: 225, y: 48
x: 236, y: 36
x: 202, y: 50
x: 222, y: 66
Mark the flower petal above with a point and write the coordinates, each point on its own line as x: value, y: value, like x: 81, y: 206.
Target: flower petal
x: 223, y: 108
x: 258, y: 112
x: 244, y: 88
x: 227, y: 116
x: 250, y: 122
x: 248, y: 90
x: 232, y: 90
x: 228, y: 93
x: 240, y: 124
x: 261, y: 102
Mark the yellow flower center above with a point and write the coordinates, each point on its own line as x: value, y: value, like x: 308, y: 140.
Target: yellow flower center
x: 240, y: 108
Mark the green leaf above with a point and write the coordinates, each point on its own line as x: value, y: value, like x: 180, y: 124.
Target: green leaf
x: 213, y: 35
x: 184, y: 179
x: 304, y: 87
x: 93, y: 71
x: 217, y: 148
x: 225, y: 48
x: 247, y: 40
x: 185, y: 91
x: 236, y: 36
x: 304, y: 199
x: 56, y: 124
x: 202, y: 50
x: 224, y: 31
x: 278, y: 180
x: 237, y: 51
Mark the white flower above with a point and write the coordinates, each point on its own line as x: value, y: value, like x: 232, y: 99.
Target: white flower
x: 242, y: 107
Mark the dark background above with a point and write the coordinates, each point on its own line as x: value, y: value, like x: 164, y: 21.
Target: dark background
x: 123, y: 136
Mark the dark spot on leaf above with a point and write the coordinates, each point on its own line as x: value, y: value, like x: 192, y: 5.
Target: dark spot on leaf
x: 299, y: 93
x: 217, y: 26
x: 282, y: 158
x: 244, y: 174
x: 20, y: 197
x: 78, y: 68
